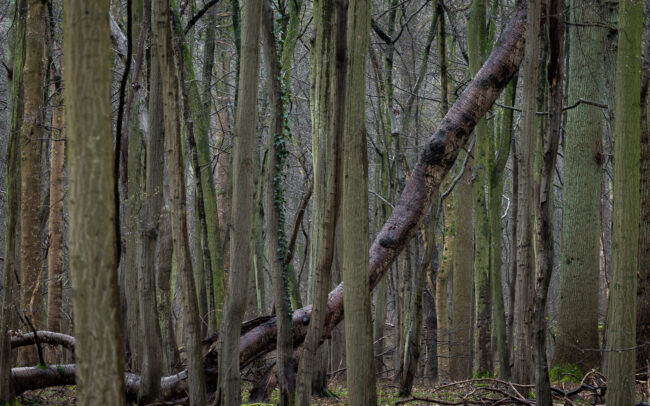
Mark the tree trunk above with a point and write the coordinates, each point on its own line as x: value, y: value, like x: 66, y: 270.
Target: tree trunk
x: 643, y: 291
x: 462, y: 280
x: 328, y: 89
x: 477, y: 43
x: 555, y: 75
x: 242, y: 205
x: 153, y: 364
x: 523, y: 359
x: 581, y: 231
x: 164, y: 47
x: 10, y: 293
x: 358, y: 323
x: 93, y: 245
x: 621, y: 312
x: 55, y: 251
x: 274, y: 210
x: 31, y: 170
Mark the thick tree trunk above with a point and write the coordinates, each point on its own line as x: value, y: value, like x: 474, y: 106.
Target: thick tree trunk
x: 581, y: 231
x: 32, y: 134
x: 621, y: 312
x: 99, y: 349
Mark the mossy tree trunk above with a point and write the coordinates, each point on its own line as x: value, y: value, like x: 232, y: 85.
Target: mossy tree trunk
x: 621, y: 311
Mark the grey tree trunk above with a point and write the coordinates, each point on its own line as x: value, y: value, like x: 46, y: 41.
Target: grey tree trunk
x: 242, y: 205
x: 93, y: 242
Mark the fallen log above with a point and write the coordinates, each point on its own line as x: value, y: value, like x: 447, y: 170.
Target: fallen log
x: 434, y: 163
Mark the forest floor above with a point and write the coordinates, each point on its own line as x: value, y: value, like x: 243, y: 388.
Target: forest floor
x: 472, y: 392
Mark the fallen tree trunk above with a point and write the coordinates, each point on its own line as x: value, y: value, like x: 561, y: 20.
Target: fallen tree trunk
x: 436, y: 159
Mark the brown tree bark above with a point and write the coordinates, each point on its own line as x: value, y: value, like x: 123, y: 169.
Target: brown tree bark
x: 55, y: 251
x: 31, y: 170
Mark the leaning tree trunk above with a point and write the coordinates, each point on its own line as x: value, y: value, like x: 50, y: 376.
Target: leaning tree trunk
x: 93, y: 241
x: 438, y: 156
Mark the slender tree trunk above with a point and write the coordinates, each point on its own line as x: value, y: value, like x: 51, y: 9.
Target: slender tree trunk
x: 358, y: 321
x: 523, y: 360
x: 643, y: 291
x: 477, y: 38
x: 274, y: 211
x: 495, y: 195
x: 621, y: 312
x: 55, y: 250
x: 31, y: 171
x: 555, y: 74
x: 242, y: 205
x: 461, y: 301
x: 10, y: 292
x: 329, y: 94
x: 153, y: 365
x: 581, y: 231
x: 171, y: 108
x: 99, y: 341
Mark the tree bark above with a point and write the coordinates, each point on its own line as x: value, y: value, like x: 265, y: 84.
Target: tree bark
x: 55, y: 251
x: 31, y: 169
x: 274, y: 210
x: 87, y: 70
x: 523, y: 359
x: 643, y: 291
x: 555, y: 75
x: 242, y: 205
x: 10, y: 294
x: 171, y: 109
x: 581, y: 230
x: 621, y: 312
